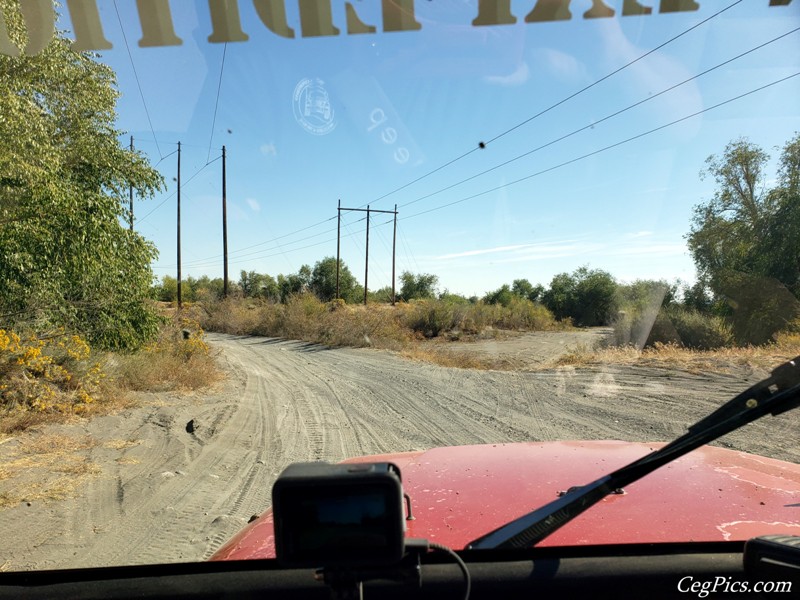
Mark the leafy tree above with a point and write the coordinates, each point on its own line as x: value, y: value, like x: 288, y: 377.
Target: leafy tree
x: 646, y: 293
x: 501, y: 295
x: 697, y: 297
x: 524, y: 288
x: 417, y: 286
x: 206, y: 289
x: 587, y: 296
x: 746, y: 240
x: 297, y: 283
x: 67, y: 259
x: 256, y: 285
x: 323, y: 280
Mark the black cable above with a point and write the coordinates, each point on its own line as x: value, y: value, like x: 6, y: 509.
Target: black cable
x: 625, y: 66
x: 136, y: 76
x: 183, y: 185
x: 630, y: 139
x: 606, y: 118
x: 216, y: 103
x: 559, y: 103
x: 462, y: 565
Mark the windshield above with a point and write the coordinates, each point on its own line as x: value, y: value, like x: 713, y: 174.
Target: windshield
x: 238, y: 235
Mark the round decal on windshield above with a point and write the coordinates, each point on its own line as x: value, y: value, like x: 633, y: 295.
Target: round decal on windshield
x: 312, y: 107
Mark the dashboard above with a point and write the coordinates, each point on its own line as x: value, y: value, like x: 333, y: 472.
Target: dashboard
x: 615, y: 571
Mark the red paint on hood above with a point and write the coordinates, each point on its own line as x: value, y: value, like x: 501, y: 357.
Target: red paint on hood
x: 460, y: 493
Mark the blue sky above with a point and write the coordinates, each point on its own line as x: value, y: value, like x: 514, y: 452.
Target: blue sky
x: 402, y: 104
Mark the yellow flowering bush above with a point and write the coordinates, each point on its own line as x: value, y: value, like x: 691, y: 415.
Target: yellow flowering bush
x: 47, y: 374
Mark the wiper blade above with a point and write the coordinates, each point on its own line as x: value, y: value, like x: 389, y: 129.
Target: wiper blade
x: 775, y: 395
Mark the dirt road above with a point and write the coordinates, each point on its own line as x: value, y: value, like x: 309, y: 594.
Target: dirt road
x: 170, y: 490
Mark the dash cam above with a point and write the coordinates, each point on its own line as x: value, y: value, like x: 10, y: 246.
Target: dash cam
x: 342, y: 515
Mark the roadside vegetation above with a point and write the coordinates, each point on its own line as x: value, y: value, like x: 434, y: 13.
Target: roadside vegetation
x: 79, y: 328
x: 58, y: 377
x: 745, y: 242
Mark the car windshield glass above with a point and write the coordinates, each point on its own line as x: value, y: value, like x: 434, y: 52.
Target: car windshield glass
x: 509, y: 246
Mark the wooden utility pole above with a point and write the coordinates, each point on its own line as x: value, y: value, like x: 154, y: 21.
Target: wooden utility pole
x: 131, y: 192
x: 394, y: 252
x: 338, y: 245
x: 366, y: 261
x: 224, y: 229
x: 367, y: 210
x: 180, y: 299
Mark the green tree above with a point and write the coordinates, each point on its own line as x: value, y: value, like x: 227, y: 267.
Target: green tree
x: 417, y: 286
x: 296, y: 283
x: 66, y: 258
x: 745, y: 241
x: 259, y: 285
x: 323, y: 280
x: 589, y: 296
x: 501, y: 295
x: 167, y: 290
x: 525, y: 289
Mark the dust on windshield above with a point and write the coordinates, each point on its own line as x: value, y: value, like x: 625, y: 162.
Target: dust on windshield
x: 237, y: 235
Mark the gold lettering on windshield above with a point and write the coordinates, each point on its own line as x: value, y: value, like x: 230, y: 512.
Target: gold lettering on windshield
x: 86, y: 23
x: 156, y: 19
x: 316, y: 19
x: 225, y: 22
x: 494, y: 12
x: 398, y: 15
x: 40, y: 20
x: 668, y: 6
x: 549, y: 10
x: 599, y: 10
x: 354, y: 23
x: 632, y: 7
x: 273, y: 14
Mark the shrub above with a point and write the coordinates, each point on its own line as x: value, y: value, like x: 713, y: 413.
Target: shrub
x: 522, y: 314
x: 673, y: 325
x: 52, y: 374
x: 431, y: 317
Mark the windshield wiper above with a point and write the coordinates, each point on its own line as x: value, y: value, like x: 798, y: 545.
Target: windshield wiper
x: 775, y: 395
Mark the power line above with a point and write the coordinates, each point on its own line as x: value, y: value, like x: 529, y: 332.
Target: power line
x: 595, y: 152
x: 407, y: 250
x: 557, y: 104
x: 623, y: 67
x: 216, y: 103
x: 183, y: 185
x: 291, y: 233
x: 464, y: 155
x: 136, y: 76
x: 209, y: 261
x: 606, y: 118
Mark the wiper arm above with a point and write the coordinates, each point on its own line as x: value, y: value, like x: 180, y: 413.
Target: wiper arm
x: 775, y: 395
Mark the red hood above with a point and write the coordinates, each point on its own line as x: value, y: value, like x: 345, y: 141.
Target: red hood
x: 460, y: 493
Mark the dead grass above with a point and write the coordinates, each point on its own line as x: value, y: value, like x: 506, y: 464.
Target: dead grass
x: 44, y: 467
x: 121, y: 444
x: 672, y: 356
x: 440, y: 354
x: 157, y: 371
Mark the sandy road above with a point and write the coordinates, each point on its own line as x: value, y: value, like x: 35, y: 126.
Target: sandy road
x: 168, y: 494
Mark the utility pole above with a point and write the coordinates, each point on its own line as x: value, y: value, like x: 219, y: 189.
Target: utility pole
x: 366, y: 261
x: 367, y: 210
x: 224, y: 229
x: 338, y: 230
x: 394, y: 252
x: 131, y: 191
x: 180, y: 299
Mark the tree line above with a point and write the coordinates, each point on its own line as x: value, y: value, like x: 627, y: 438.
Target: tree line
x: 745, y: 242
x: 69, y: 261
